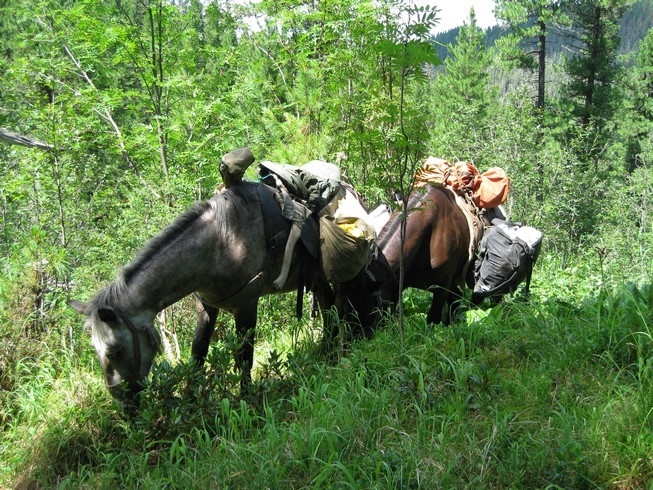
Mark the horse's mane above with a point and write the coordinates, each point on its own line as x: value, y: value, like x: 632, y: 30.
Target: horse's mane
x: 169, y: 234
x: 118, y: 290
x: 222, y: 204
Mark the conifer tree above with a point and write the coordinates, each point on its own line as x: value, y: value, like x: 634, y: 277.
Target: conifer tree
x: 593, y: 69
x: 462, y: 96
x: 639, y: 119
x: 525, y: 43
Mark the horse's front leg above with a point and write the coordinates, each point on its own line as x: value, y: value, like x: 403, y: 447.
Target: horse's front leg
x: 457, y: 307
x: 206, y: 317
x: 326, y: 299
x: 246, y: 330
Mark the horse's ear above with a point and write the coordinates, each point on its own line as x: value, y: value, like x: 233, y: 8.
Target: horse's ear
x: 79, y: 306
x: 107, y: 315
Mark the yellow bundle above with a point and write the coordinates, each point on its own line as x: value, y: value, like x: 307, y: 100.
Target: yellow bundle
x: 346, y: 239
x: 352, y: 229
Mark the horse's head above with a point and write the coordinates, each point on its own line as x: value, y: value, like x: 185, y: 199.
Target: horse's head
x: 125, y: 346
x: 365, y: 301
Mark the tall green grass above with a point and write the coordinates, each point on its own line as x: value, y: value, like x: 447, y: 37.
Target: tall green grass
x: 546, y: 394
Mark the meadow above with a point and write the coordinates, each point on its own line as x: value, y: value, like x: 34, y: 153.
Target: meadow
x: 129, y: 106
x: 553, y: 392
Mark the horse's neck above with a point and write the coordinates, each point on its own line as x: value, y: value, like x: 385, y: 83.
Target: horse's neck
x: 390, y: 243
x: 158, y: 286
x: 152, y: 290
x: 174, y: 271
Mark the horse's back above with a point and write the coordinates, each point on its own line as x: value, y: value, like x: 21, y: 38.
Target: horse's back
x: 436, y: 246
x: 249, y: 238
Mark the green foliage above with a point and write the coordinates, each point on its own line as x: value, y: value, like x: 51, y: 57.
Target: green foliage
x: 140, y: 99
x: 528, y: 394
x: 463, y: 102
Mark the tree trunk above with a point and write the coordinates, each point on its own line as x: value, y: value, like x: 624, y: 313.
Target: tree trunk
x: 541, y: 76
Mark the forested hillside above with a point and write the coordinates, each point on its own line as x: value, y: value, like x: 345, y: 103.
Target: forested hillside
x: 634, y: 26
x: 115, y: 116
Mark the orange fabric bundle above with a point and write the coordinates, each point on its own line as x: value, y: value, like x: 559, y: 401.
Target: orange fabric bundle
x: 487, y: 190
x: 492, y: 189
x: 464, y: 177
x: 434, y: 171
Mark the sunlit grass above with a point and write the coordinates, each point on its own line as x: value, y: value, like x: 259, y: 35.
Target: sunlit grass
x: 549, y: 393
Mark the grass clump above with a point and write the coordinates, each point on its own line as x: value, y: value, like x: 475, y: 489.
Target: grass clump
x: 531, y: 395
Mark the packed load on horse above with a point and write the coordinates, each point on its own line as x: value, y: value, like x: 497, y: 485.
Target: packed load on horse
x: 347, y: 237
x: 505, y: 252
x: 506, y: 257
x: 486, y: 190
x: 346, y: 234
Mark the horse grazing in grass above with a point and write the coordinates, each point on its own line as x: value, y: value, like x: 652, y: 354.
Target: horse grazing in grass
x: 227, y: 251
x: 438, y: 252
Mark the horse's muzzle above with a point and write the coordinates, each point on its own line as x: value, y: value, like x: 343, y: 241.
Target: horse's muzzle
x: 127, y: 394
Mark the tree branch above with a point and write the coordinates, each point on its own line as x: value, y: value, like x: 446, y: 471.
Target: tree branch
x: 18, y: 139
x: 106, y: 115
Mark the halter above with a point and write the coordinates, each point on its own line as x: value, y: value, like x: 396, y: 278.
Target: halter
x: 133, y: 329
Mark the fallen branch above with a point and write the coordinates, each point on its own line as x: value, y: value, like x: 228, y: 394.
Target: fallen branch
x: 18, y: 139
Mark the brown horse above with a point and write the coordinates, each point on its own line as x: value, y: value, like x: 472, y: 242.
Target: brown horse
x: 438, y: 255
x: 227, y: 251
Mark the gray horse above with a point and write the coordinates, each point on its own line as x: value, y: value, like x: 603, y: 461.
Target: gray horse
x: 227, y: 251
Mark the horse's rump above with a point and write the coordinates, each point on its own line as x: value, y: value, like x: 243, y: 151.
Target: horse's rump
x: 436, y: 246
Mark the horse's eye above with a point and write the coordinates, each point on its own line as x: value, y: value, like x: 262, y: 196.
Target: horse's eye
x: 113, y: 351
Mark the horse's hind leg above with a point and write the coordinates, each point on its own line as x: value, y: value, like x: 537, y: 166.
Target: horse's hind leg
x: 206, y: 317
x: 438, y: 302
x: 326, y: 299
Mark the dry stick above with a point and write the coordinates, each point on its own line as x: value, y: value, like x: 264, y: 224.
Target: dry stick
x: 18, y: 139
x: 106, y: 115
